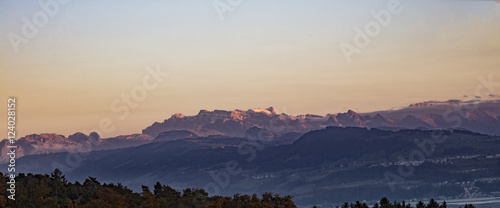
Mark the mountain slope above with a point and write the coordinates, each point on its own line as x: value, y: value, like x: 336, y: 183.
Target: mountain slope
x: 265, y: 124
x: 331, y: 164
x: 36, y: 144
x: 482, y: 117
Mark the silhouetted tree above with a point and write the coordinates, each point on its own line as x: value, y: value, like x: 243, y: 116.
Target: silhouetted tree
x: 443, y: 205
x: 432, y: 204
x: 420, y: 204
x: 149, y: 199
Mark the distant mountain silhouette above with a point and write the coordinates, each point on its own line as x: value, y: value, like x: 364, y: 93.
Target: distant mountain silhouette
x: 335, y: 163
x: 481, y: 117
x: 484, y: 118
x: 35, y: 144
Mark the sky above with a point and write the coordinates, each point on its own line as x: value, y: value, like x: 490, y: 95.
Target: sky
x: 72, y: 64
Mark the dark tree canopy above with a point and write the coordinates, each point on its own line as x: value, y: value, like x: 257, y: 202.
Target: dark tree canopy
x: 44, y: 191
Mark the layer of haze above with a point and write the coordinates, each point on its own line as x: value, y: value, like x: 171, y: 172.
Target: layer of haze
x: 280, y: 53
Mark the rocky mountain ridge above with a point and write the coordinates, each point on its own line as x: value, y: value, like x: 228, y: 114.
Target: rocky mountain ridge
x: 483, y: 117
x: 35, y: 144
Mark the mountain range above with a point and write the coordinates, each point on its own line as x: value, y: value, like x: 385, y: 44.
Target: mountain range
x: 481, y: 117
x: 317, y: 159
x: 321, y: 167
x: 46, y: 143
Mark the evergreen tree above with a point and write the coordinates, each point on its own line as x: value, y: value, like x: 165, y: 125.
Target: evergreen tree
x: 149, y: 199
x: 432, y: 204
x: 443, y: 205
x: 385, y: 203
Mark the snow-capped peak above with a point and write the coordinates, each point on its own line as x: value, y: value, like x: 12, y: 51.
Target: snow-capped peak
x: 261, y: 110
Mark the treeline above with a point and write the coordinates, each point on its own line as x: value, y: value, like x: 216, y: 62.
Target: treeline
x: 44, y: 191
x: 53, y: 191
x: 385, y: 203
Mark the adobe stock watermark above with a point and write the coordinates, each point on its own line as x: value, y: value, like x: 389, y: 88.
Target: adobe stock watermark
x: 250, y: 147
x: 224, y: 6
x: 31, y: 26
x: 363, y: 38
x: 121, y: 106
x: 425, y: 148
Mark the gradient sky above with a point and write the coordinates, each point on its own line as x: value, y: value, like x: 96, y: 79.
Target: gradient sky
x: 282, y: 53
